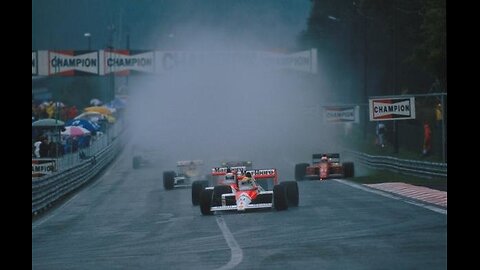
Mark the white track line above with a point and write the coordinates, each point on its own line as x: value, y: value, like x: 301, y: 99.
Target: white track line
x: 237, y: 253
x: 385, y: 194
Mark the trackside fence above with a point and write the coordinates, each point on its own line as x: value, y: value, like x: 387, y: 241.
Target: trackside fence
x: 405, y: 166
x: 48, y: 189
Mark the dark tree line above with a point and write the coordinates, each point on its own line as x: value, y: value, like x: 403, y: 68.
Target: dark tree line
x: 400, y: 43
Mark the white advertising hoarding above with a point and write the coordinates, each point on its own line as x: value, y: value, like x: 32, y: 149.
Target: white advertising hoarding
x: 381, y: 109
x: 122, y: 62
x: 341, y: 114
x: 69, y: 63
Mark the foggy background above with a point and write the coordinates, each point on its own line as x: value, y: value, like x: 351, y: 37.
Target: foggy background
x: 219, y: 113
x: 214, y: 113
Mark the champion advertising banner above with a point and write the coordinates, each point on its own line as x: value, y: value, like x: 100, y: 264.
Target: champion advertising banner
x: 70, y: 63
x: 341, y: 114
x: 305, y: 61
x: 168, y: 61
x: 34, y: 63
x: 392, y: 109
x: 121, y: 62
x: 41, y: 167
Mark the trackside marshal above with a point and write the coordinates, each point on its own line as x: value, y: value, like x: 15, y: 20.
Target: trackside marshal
x: 392, y: 108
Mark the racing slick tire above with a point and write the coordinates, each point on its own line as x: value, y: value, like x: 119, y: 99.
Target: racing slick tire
x: 217, y: 194
x: 209, y: 181
x: 300, y: 171
x: 206, y: 201
x: 291, y: 188
x: 168, y: 179
x: 280, y: 198
x: 197, y: 187
x: 348, y: 169
x: 136, y: 162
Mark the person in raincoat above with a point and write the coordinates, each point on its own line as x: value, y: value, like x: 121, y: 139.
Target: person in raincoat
x: 44, y: 148
x: 37, y: 148
x: 427, y: 138
x: 380, y: 132
x: 50, y: 110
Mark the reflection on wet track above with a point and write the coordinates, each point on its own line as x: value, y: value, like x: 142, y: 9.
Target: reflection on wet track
x: 126, y: 220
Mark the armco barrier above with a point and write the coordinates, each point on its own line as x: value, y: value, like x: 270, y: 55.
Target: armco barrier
x: 48, y: 189
x: 412, y: 167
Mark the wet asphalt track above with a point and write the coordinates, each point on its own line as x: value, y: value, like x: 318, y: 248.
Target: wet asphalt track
x: 126, y: 220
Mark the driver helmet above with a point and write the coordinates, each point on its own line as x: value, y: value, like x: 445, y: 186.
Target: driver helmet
x: 248, y: 174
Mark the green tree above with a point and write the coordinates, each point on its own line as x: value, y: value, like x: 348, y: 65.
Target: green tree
x: 431, y: 52
x: 420, y: 29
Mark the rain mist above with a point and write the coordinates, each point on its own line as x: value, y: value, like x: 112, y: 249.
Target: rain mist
x: 218, y: 109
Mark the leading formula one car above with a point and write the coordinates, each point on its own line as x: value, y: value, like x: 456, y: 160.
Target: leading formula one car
x: 240, y: 196
x: 187, y: 172
x: 217, y: 177
x: 324, y: 166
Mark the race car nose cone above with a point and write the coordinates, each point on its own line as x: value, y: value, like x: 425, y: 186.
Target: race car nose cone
x: 242, y: 202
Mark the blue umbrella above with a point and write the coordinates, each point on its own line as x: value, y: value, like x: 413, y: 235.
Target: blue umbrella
x: 86, y: 124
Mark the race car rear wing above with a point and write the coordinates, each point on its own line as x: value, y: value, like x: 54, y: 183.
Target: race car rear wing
x: 236, y: 163
x: 263, y: 173
x: 216, y: 171
x: 189, y: 162
x: 332, y: 157
x: 257, y: 173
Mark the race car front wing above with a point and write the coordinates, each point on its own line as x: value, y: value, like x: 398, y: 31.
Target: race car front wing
x: 265, y: 195
x: 234, y: 207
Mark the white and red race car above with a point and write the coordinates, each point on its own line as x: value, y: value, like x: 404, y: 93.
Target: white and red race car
x: 217, y: 177
x: 187, y: 172
x: 239, y: 196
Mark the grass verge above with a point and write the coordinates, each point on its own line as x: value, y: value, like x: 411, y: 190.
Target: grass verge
x: 383, y: 176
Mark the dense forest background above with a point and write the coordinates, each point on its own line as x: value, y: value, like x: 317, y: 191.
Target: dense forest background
x: 392, y: 46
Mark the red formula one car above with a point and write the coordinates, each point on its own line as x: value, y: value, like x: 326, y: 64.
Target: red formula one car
x: 238, y: 195
x: 324, y: 166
